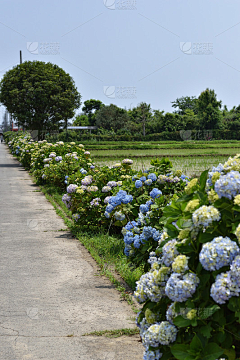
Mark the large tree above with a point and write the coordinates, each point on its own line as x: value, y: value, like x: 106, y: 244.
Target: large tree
x: 39, y: 95
x: 141, y: 114
x: 90, y: 109
x: 209, y: 110
x: 185, y: 103
x: 111, y: 117
x: 81, y: 120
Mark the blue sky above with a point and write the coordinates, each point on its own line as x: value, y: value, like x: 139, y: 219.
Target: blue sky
x: 126, y: 52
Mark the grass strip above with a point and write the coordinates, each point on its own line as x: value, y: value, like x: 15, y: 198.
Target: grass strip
x: 114, y: 333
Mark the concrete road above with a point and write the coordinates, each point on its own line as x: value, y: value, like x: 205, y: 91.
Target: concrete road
x: 49, y: 292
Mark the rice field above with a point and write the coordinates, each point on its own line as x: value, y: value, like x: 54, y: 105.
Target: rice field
x: 192, y: 161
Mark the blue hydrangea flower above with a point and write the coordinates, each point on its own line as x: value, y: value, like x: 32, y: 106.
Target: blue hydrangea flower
x: 228, y: 185
x: 235, y: 270
x: 144, y: 208
x: 58, y: 158
x: 143, y: 178
x: 83, y: 171
x: 128, y: 238
x: 152, y: 285
x: 180, y: 287
x: 66, y: 199
x: 76, y: 217
x: 127, y: 250
x: 119, y: 216
x: 72, y: 188
x: 138, y: 184
x: 152, y: 176
x: 169, y: 252
x: 106, y: 189
x: 162, y: 333
x: 218, y: 253
x: 112, y: 184
x: 127, y: 199
x: 148, y: 182
x: 219, y: 168
x: 155, y: 193
x: 107, y: 215
x: 109, y: 208
x: 136, y: 242
x: 152, y: 355
x: 130, y: 225
x: 224, y: 288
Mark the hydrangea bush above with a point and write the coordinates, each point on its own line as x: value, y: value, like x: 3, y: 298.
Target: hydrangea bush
x: 190, y: 296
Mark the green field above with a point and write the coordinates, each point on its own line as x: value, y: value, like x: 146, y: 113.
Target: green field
x: 191, y: 157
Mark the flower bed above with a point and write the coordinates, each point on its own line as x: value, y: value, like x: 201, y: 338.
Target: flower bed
x: 191, y: 293
x: 185, y: 233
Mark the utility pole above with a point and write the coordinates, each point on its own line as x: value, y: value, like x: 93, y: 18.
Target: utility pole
x: 20, y: 64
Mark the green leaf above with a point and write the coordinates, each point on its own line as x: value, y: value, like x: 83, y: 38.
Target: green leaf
x: 203, y: 179
x: 172, y: 231
x: 232, y: 304
x: 196, y: 344
x: 219, y: 317
x: 194, y: 322
x: 187, y: 224
x: 211, y: 352
x: 180, y: 351
x: 237, y: 314
x: 204, y: 279
x: 179, y: 321
x: 206, y: 331
x: 205, y: 237
x: 230, y: 354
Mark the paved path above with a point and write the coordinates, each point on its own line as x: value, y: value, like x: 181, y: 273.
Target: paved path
x: 48, y: 284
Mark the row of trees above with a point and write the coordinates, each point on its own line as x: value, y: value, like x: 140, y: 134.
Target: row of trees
x: 42, y: 96
x: 190, y: 113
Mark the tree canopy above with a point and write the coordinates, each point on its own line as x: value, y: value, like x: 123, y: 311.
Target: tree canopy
x: 111, y: 117
x: 39, y: 95
x: 90, y: 109
x: 185, y: 103
x: 209, y: 110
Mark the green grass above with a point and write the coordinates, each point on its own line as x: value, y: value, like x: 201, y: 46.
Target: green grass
x: 189, y: 165
x: 122, y: 154
x: 114, y: 333
x: 192, y: 157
